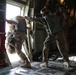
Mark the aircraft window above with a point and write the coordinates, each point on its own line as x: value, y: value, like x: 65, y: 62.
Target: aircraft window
x: 12, y: 11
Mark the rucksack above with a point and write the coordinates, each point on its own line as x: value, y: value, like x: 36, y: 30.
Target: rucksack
x: 21, y: 26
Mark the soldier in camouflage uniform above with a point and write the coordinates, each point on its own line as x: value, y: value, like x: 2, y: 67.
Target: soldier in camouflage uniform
x: 55, y: 35
x: 19, y: 33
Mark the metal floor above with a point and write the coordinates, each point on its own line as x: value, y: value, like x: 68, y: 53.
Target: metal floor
x: 55, y: 68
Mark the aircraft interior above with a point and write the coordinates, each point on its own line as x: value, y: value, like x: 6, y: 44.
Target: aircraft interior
x: 9, y: 62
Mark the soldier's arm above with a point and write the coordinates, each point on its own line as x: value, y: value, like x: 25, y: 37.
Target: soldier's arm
x: 20, y: 18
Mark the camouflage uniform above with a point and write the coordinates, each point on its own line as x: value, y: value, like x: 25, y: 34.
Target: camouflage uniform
x: 10, y: 42
x: 61, y: 44
x: 19, y: 35
x: 57, y: 36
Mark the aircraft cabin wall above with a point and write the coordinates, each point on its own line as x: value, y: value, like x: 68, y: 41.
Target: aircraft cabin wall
x: 2, y: 32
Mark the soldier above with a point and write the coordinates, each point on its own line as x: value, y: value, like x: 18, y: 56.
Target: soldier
x: 19, y: 33
x: 54, y: 35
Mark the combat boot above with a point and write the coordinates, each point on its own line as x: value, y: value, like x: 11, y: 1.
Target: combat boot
x: 22, y: 61
x: 25, y: 65
x: 66, y: 64
x: 44, y: 64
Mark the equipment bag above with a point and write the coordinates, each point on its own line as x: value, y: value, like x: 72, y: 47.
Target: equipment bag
x: 21, y: 26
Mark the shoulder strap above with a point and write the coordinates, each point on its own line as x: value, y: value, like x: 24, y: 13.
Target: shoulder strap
x: 48, y: 27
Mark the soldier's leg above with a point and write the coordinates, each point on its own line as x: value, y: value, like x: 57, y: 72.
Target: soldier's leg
x: 62, y: 46
x: 45, y: 51
x: 18, y: 46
